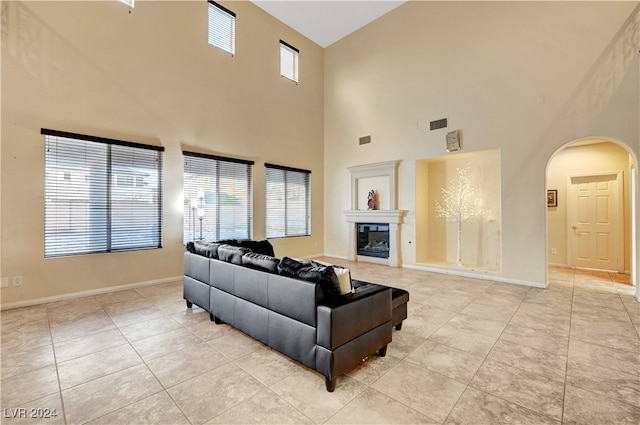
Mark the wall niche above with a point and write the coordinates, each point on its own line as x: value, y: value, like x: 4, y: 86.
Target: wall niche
x: 437, y: 237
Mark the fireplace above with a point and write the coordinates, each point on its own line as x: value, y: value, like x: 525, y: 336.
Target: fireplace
x: 374, y: 235
x: 373, y: 239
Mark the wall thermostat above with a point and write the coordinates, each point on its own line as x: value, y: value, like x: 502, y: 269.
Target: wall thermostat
x: 453, y: 141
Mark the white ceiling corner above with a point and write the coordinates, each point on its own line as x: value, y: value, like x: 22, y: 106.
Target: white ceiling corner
x: 327, y: 21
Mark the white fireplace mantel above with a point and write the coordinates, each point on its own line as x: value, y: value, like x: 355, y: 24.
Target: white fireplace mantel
x: 374, y: 216
x: 392, y: 216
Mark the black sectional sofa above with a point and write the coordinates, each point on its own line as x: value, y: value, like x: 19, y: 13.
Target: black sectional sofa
x: 293, y: 306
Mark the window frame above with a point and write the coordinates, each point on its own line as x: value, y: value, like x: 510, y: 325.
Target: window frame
x: 190, y: 215
x: 223, y: 12
x: 109, y: 183
x: 306, y: 174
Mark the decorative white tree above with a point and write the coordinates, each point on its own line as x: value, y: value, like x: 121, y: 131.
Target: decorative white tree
x: 461, y: 203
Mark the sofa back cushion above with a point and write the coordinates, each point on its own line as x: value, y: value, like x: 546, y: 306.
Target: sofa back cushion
x: 261, y: 262
x: 294, y: 298
x: 232, y: 254
x: 260, y: 247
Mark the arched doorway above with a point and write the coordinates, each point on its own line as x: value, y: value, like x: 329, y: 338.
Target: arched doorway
x: 592, y: 188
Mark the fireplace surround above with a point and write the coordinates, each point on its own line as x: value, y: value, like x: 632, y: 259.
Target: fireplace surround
x: 384, y: 176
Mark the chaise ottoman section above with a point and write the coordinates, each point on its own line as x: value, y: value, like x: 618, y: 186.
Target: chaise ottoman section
x: 399, y: 300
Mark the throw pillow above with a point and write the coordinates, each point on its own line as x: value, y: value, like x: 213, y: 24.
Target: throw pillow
x: 260, y: 247
x: 341, y: 277
x: 261, y: 262
x: 206, y: 249
x: 232, y: 254
x: 311, y: 272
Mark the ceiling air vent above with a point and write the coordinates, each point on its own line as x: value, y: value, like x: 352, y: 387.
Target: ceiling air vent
x: 442, y: 123
x: 364, y: 140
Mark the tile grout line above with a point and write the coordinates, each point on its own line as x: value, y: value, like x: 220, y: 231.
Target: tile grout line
x: 566, y: 368
x: 55, y: 362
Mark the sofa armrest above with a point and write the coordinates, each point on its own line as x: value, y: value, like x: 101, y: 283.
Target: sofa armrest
x: 353, y: 316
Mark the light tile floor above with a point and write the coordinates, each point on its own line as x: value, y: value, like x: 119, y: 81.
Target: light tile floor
x: 470, y: 352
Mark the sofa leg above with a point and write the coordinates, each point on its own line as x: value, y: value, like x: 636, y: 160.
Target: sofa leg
x: 215, y: 319
x: 399, y: 326
x: 383, y: 351
x: 212, y: 317
x: 330, y: 384
x: 189, y: 304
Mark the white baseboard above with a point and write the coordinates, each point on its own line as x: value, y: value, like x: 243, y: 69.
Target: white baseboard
x: 339, y: 257
x: 460, y: 272
x: 473, y: 274
x: 88, y: 293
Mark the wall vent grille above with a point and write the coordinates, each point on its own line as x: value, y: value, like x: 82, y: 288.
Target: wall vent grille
x: 435, y: 125
x: 364, y: 140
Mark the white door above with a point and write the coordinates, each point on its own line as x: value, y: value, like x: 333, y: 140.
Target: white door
x: 594, y: 221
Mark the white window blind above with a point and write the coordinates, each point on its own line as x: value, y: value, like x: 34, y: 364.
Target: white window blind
x: 217, y: 198
x: 101, y: 195
x: 128, y: 2
x: 222, y: 27
x: 289, y: 61
x: 288, y: 202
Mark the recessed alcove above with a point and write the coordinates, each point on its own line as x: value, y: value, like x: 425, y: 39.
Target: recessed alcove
x: 436, y: 237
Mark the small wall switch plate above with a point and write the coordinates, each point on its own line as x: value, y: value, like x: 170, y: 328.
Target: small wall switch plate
x: 554, y: 251
x: 17, y: 281
x: 5, y: 282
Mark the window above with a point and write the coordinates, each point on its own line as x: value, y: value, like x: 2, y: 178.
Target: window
x: 288, y: 202
x: 217, y: 197
x: 222, y: 27
x: 91, y: 205
x: 288, y: 61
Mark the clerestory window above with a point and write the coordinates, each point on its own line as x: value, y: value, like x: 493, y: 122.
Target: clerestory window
x: 222, y: 27
x: 289, y: 61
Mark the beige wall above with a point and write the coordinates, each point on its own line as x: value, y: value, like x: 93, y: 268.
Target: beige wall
x: 522, y: 77
x: 147, y: 76
x: 585, y: 159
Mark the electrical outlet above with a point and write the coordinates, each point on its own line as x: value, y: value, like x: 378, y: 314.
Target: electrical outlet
x: 554, y: 251
x: 17, y: 281
x: 5, y: 282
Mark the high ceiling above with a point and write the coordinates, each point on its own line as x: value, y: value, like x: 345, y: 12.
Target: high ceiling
x: 327, y: 21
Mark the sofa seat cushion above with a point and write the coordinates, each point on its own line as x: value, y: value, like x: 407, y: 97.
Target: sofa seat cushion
x: 232, y: 254
x: 261, y: 262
